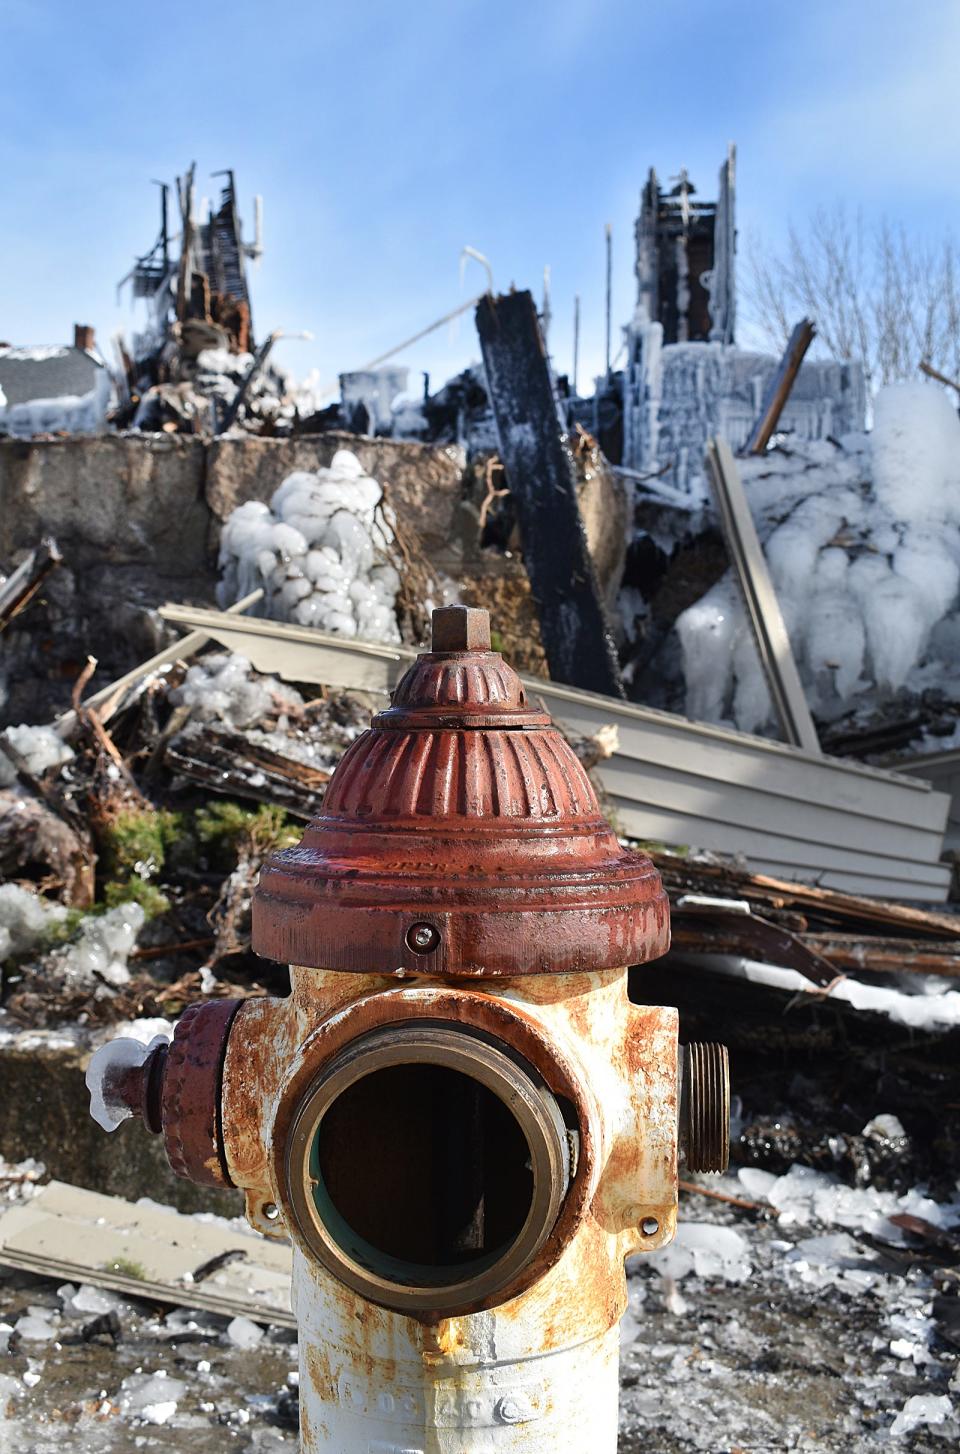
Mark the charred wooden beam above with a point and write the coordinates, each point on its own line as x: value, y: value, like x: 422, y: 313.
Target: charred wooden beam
x: 540, y: 472
x: 873, y: 954
x: 778, y: 389
x: 20, y: 587
x: 227, y: 762
x: 800, y: 906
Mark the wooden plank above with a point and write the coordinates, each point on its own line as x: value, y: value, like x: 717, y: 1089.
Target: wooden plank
x: 146, y: 1251
x: 778, y: 389
x: 540, y: 473
x: 20, y: 587
x: 877, y: 955
x: 772, y: 893
x: 763, y: 608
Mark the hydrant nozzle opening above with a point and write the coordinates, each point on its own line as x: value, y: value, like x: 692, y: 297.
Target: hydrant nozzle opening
x: 427, y: 1166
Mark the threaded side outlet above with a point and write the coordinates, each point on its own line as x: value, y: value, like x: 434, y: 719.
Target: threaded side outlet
x: 705, y: 1127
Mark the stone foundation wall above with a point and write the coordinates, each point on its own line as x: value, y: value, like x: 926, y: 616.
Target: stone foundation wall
x: 138, y: 519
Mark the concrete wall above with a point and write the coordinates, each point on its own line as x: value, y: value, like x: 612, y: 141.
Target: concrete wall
x: 138, y: 517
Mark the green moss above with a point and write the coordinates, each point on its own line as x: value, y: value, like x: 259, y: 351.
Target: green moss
x: 126, y: 1268
x: 152, y: 900
x: 138, y: 841
x: 133, y: 851
x: 224, y: 826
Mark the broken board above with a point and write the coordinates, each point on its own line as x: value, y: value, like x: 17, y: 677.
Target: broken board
x: 148, y: 1251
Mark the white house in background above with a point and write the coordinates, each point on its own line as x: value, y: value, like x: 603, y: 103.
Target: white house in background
x: 53, y: 390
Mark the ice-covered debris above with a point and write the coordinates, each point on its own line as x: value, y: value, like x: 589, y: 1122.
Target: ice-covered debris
x: 41, y: 748
x: 319, y: 549
x: 804, y: 1195
x: 88, y: 1299
x: 103, y: 945
x: 705, y: 1249
x: 863, y: 546
x: 243, y: 1333
x: 922, y: 1408
x: 151, y: 1397
x: 833, y: 1259
x: 919, y: 1011
x: 36, y: 1325
x: 26, y: 919
x: 20, y: 1180
x: 220, y: 688
x: 105, y: 1073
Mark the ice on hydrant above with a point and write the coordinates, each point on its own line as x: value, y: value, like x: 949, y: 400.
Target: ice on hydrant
x: 105, y: 1072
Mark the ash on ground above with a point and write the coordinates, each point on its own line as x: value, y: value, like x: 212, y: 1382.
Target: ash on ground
x: 816, y: 1323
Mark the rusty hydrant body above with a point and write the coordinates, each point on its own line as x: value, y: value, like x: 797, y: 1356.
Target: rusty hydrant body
x: 457, y: 1116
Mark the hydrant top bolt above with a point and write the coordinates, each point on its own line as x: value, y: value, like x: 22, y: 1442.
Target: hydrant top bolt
x: 423, y: 938
x: 460, y: 628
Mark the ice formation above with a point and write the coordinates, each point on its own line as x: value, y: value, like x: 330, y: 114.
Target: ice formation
x: 922, y: 1408
x: 705, y: 1249
x: 105, y: 1071
x: 220, y: 689
x: 918, y: 1006
x: 863, y: 546
x: 243, y: 1333
x: 103, y: 945
x: 319, y: 551
x: 25, y: 919
x: 151, y: 1397
x: 40, y: 747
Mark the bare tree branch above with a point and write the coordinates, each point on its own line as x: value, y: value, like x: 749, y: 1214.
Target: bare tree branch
x: 884, y: 299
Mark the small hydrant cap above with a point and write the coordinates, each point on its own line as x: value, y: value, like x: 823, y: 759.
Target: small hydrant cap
x: 461, y: 836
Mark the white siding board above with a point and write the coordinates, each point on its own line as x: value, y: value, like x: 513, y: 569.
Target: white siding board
x: 791, y: 813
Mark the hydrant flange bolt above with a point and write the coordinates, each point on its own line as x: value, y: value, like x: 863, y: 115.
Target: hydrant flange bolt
x: 423, y: 938
x: 705, y: 1107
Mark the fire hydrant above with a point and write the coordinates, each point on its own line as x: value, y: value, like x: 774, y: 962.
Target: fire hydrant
x: 458, y: 1117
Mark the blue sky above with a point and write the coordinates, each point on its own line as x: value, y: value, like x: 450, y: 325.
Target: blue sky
x: 384, y: 137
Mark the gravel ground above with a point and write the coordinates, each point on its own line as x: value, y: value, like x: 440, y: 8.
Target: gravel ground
x: 749, y: 1335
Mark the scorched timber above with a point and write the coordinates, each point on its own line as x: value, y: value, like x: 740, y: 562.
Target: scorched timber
x: 540, y: 472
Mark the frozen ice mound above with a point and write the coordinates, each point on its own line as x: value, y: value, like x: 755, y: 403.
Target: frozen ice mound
x: 41, y: 748
x: 804, y: 1195
x: 863, y: 546
x: 319, y: 550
